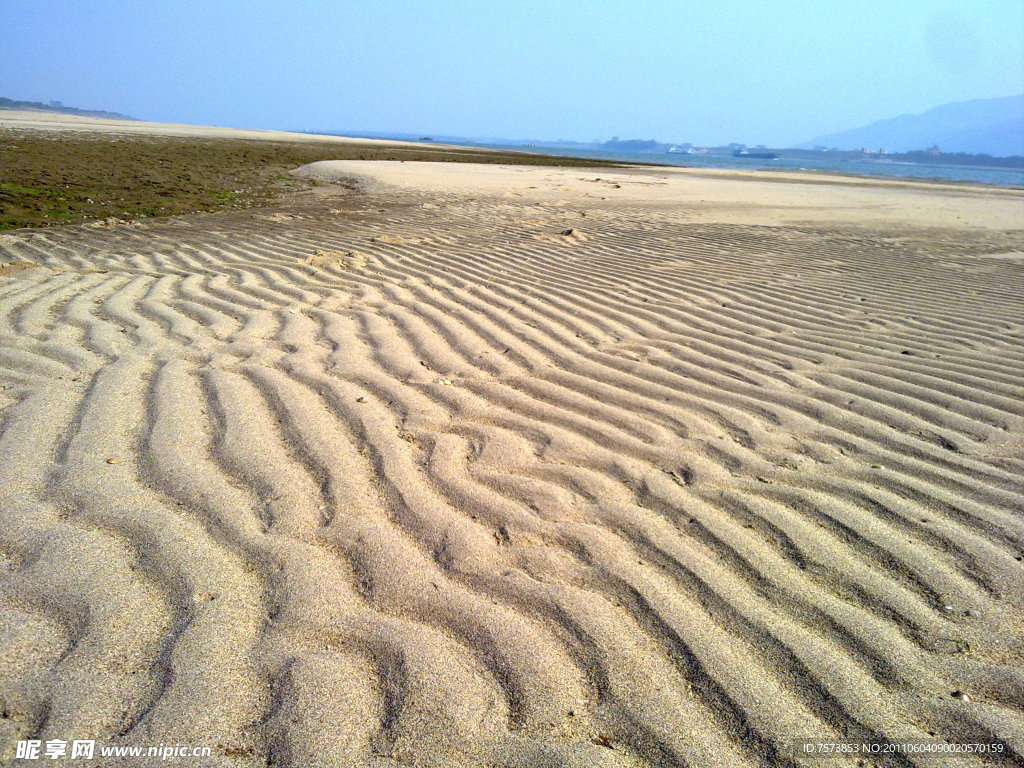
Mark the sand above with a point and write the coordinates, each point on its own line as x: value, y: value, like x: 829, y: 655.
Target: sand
x: 57, y: 121
x: 519, y: 467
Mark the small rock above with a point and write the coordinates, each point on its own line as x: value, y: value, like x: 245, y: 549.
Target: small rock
x: 960, y: 695
x: 947, y: 607
x: 113, y: 461
x: 360, y: 399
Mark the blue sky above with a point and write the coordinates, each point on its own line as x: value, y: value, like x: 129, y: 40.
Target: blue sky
x: 706, y: 72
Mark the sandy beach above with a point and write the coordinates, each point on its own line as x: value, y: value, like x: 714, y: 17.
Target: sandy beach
x: 445, y: 464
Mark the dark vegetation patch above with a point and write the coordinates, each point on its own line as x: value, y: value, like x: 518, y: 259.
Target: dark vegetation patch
x: 68, y: 178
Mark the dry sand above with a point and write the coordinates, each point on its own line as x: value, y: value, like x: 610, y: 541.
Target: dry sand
x: 55, y: 121
x: 519, y: 467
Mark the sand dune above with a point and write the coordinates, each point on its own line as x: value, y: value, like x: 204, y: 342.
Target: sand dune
x: 505, y: 466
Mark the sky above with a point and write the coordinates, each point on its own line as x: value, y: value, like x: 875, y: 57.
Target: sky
x: 749, y: 71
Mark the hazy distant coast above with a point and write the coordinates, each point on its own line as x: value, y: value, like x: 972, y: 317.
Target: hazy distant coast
x: 961, y: 141
x: 58, y: 107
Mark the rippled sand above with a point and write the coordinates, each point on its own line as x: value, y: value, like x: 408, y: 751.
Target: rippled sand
x: 518, y: 467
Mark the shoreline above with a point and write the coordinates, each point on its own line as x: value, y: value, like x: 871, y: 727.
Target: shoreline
x: 827, y: 171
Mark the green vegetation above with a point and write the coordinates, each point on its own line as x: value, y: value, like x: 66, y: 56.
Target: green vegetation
x: 67, y: 178
x: 23, y: 190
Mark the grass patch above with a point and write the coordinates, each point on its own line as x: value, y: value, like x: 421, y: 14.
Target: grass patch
x: 68, y: 178
x: 16, y: 189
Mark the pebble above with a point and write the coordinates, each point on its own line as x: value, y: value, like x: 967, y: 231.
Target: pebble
x: 360, y: 399
x: 961, y: 696
x: 113, y: 461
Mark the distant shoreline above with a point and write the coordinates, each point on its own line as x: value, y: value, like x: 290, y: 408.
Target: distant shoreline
x: 989, y: 176
x: 38, y: 106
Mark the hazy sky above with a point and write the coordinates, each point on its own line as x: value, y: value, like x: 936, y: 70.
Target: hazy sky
x: 706, y: 72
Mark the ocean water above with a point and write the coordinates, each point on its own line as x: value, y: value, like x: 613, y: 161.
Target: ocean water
x: 991, y: 176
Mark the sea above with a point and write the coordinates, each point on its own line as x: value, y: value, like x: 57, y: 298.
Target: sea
x: 888, y: 169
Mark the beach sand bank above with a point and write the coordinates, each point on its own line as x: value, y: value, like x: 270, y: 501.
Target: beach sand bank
x: 485, y: 465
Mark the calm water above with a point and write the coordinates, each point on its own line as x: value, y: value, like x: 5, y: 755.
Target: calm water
x: 991, y: 176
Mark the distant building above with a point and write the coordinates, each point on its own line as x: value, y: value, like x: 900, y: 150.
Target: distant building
x: 935, y: 150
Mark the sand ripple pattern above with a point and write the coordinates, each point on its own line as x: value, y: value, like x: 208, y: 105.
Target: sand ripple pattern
x: 444, y: 486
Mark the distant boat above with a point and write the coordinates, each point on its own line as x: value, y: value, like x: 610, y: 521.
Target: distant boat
x: 757, y: 155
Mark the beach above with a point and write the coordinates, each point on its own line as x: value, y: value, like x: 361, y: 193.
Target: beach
x: 453, y: 464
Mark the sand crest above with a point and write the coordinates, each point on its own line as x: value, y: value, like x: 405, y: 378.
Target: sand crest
x: 429, y: 485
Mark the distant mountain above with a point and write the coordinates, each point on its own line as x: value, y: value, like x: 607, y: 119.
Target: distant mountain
x: 56, y: 106
x: 990, y: 126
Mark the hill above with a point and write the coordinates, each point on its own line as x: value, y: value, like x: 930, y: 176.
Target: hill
x: 990, y: 126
